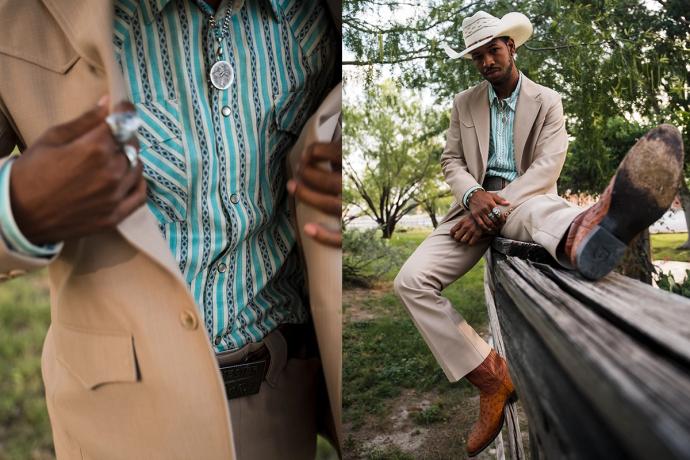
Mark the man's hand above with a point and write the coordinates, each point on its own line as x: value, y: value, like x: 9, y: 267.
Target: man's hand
x: 321, y: 189
x: 466, y: 230
x: 75, y: 181
x: 481, y: 204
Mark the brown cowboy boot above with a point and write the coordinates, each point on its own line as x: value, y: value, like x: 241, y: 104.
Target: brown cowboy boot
x: 492, y: 379
x: 643, y: 188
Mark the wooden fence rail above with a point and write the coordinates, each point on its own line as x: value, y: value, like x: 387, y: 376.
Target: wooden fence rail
x: 602, y: 368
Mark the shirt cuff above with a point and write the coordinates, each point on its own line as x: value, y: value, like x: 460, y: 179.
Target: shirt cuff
x: 467, y: 194
x: 9, y: 231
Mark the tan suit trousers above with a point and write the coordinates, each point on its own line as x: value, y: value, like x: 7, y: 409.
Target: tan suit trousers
x: 281, y: 420
x: 440, y: 260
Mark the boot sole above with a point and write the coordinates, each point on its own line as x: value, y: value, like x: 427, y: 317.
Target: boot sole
x: 511, y: 399
x: 635, y: 202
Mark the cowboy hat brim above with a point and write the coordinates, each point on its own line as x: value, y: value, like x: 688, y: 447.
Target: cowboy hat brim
x: 514, y: 25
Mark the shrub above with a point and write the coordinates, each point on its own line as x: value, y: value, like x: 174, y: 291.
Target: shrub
x: 367, y: 257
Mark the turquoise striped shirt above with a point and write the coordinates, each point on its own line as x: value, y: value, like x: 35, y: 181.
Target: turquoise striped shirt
x: 501, y: 160
x: 214, y: 160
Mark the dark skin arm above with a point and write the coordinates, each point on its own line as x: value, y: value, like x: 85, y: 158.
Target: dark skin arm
x: 74, y: 180
x: 320, y: 188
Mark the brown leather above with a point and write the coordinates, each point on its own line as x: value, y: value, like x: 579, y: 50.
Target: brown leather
x: 585, y: 222
x: 492, y: 379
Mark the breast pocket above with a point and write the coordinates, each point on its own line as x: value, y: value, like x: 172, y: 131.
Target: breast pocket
x: 165, y: 159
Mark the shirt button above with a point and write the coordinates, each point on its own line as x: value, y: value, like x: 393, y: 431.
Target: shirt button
x: 188, y: 320
x: 225, y: 111
x: 222, y: 267
x: 217, y: 340
x: 234, y: 199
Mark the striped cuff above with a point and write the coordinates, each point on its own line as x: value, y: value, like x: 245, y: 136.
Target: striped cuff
x: 9, y: 231
x: 467, y: 194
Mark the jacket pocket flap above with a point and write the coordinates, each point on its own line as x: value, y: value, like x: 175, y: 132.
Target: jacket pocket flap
x: 96, y: 359
x: 467, y: 124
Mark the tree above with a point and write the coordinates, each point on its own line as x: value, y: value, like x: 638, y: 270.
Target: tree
x: 389, y: 150
x: 608, y: 59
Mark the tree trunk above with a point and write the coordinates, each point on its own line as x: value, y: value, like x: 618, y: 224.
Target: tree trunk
x: 685, y: 201
x: 637, y: 261
x: 434, y: 220
x: 387, y: 229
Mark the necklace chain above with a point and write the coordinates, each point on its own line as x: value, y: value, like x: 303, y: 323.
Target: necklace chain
x: 225, y: 27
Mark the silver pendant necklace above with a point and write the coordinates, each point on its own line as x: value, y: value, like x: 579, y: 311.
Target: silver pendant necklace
x: 221, y: 75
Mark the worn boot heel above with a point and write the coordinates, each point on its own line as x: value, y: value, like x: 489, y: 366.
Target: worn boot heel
x: 599, y: 253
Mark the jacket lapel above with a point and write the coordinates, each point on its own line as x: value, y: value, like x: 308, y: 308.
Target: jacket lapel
x: 479, y: 111
x: 88, y: 25
x: 528, y: 105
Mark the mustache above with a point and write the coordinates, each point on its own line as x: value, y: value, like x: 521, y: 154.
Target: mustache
x: 492, y: 69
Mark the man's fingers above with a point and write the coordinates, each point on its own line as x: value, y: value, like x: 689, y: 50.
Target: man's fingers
x: 323, y: 181
x: 72, y: 130
x: 331, y: 152
x: 131, y: 202
x: 326, y: 203
x: 323, y: 235
x: 499, y: 200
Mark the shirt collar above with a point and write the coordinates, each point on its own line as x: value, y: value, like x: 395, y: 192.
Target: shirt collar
x: 158, y: 5
x: 512, y: 100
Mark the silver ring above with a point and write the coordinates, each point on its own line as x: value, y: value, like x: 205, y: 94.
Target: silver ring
x: 123, y: 125
x: 492, y: 216
x: 132, y: 154
x: 496, y: 212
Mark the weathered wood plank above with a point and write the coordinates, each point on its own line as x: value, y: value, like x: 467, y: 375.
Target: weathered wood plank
x: 515, y: 450
x: 658, y: 318
x: 561, y: 422
x: 521, y: 249
x: 637, y: 395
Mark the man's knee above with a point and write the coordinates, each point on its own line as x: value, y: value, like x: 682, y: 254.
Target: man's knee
x: 410, y: 279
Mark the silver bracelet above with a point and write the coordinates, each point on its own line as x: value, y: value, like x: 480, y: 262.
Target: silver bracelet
x: 469, y: 197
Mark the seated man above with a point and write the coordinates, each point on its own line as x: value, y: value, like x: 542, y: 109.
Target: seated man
x: 509, y: 135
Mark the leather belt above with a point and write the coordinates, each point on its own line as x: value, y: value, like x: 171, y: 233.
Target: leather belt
x: 244, y: 378
x: 494, y: 183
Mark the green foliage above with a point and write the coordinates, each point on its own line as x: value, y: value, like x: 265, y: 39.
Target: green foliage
x: 667, y: 282
x: 391, y: 150
x: 367, y: 257
x: 609, y: 59
x: 430, y: 415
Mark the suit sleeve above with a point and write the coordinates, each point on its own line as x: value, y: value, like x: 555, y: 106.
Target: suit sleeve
x: 12, y: 262
x: 453, y: 160
x: 549, y: 156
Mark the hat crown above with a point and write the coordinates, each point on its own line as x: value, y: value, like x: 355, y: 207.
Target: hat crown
x: 478, y: 27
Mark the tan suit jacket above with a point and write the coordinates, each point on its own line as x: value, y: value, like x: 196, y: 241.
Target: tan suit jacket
x: 129, y: 373
x: 540, y: 144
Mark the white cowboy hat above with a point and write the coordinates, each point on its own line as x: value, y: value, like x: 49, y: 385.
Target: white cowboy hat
x: 481, y: 28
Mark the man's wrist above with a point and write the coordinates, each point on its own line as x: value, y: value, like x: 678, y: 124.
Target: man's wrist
x: 9, y: 230
x: 469, y: 194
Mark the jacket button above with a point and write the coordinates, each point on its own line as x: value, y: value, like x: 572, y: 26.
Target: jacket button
x: 16, y: 273
x: 188, y: 320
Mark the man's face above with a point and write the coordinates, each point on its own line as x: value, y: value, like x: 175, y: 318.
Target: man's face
x: 495, y: 60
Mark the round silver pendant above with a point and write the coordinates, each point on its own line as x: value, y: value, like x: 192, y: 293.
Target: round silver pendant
x: 222, y: 75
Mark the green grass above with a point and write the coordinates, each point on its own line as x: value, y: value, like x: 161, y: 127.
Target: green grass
x: 24, y: 316
x: 664, y: 247
x: 386, y: 354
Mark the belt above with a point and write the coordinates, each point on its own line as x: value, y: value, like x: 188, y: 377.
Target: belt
x: 494, y: 183
x: 244, y: 378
